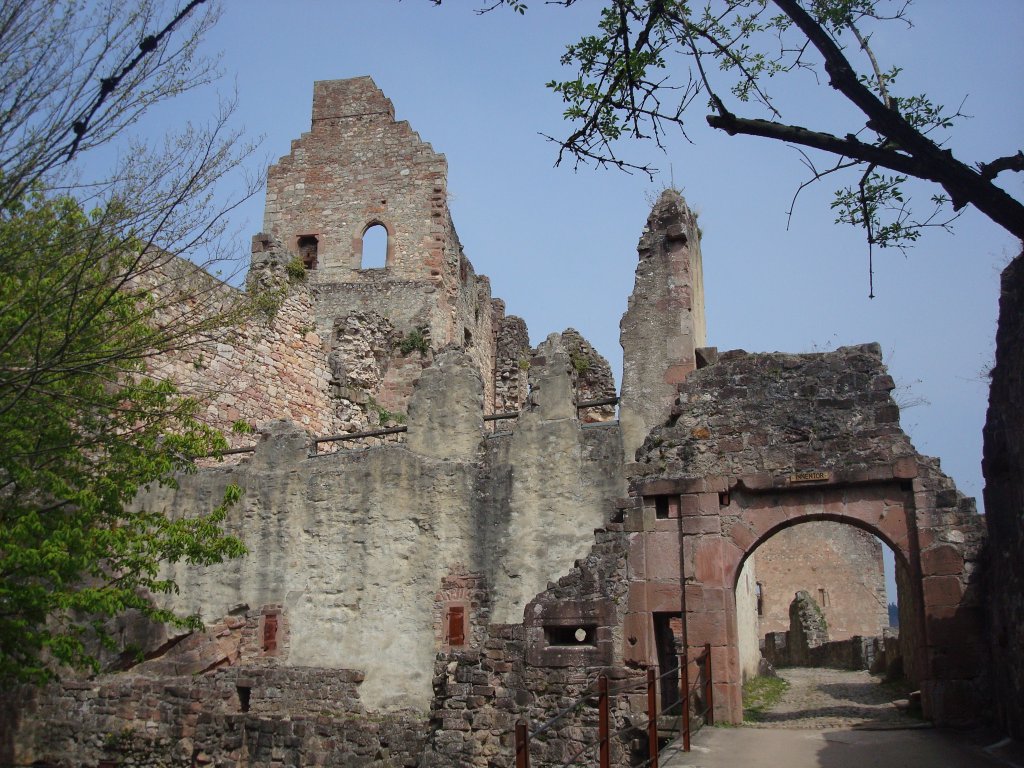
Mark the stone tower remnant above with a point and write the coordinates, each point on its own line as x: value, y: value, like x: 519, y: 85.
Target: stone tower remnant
x: 664, y: 324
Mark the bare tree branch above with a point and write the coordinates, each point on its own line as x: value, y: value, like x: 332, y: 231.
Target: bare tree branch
x: 1008, y: 163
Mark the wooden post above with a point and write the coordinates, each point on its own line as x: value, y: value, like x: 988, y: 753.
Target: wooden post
x: 652, y: 719
x: 709, y: 687
x: 603, y: 730
x: 684, y: 702
x: 522, y: 745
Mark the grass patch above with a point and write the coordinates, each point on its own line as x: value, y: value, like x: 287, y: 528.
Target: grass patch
x: 760, y: 694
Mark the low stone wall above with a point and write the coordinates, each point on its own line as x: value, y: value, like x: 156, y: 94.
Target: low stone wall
x: 230, y: 717
x: 855, y: 653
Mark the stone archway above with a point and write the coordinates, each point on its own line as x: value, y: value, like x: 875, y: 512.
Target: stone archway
x: 909, y: 505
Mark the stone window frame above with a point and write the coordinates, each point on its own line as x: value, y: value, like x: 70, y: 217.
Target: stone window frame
x: 389, y: 251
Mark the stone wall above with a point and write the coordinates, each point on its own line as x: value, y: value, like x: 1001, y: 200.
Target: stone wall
x: 357, y: 168
x: 664, y: 322
x: 513, y: 354
x: 228, y: 717
x: 838, y: 565
x: 1003, y: 466
x: 269, y: 365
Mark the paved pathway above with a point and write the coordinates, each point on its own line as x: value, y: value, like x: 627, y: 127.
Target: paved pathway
x: 831, y: 748
x: 834, y: 719
x: 834, y: 698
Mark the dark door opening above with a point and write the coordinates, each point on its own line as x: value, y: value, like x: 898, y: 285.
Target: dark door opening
x: 667, y: 641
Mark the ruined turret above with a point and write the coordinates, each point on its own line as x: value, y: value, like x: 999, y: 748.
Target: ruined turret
x: 664, y: 324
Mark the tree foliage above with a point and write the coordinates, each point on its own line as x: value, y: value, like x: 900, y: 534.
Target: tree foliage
x: 101, y: 271
x: 651, y: 63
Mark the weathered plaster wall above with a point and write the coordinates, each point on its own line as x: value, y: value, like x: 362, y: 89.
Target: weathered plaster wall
x: 355, y: 543
x: 838, y: 565
x: 748, y: 635
x: 563, y: 477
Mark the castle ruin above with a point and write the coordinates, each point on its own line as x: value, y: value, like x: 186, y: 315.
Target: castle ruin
x: 449, y: 529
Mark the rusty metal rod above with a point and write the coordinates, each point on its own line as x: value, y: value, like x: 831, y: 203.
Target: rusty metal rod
x: 357, y: 435
x: 709, y: 686
x: 596, y: 403
x: 522, y: 745
x: 230, y: 452
x: 684, y: 685
x: 652, y: 719
x: 500, y: 416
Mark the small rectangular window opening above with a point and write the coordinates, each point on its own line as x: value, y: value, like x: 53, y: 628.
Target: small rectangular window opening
x: 571, y: 635
x: 307, y: 250
x: 244, y: 693
x: 661, y: 507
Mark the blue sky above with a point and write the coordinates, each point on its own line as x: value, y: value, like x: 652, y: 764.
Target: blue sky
x: 559, y: 246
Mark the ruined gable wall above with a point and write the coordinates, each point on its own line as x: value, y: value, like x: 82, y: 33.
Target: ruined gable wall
x: 838, y: 565
x: 358, y: 167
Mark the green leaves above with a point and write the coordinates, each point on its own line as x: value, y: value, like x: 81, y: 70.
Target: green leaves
x: 649, y: 61
x: 84, y: 429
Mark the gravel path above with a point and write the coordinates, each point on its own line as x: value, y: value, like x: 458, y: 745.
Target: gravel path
x: 833, y: 698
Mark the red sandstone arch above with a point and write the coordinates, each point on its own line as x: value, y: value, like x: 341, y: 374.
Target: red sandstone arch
x: 908, y: 505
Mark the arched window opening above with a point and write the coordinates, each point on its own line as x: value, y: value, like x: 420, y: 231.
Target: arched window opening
x: 375, y: 247
x: 307, y: 250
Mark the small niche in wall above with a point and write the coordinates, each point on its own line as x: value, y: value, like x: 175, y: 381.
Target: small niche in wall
x: 571, y: 635
x: 375, y: 247
x: 307, y: 245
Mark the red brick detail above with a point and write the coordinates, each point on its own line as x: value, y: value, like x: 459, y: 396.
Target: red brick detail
x: 943, y: 560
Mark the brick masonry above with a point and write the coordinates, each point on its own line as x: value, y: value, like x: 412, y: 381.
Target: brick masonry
x: 838, y: 565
